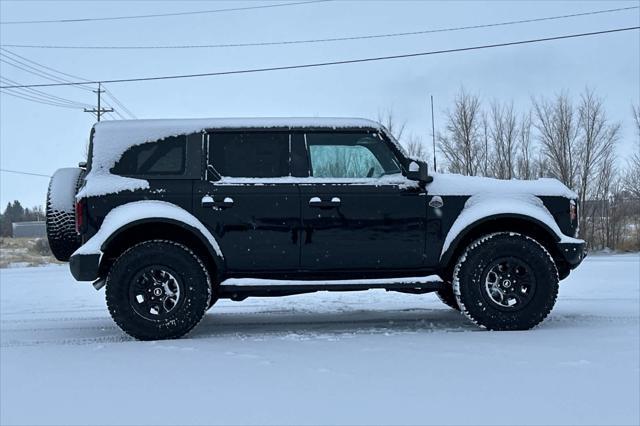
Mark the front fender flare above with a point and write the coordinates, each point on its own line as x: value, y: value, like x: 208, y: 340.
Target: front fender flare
x: 482, y: 208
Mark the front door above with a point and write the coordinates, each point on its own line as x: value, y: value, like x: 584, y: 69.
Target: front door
x: 248, y: 202
x: 359, y: 213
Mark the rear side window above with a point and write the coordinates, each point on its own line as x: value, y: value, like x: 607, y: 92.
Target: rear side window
x: 165, y: 157
x: 250, y: 154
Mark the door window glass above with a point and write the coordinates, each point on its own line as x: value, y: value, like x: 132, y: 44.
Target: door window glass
x: 250, y: 154
x: 349, y: 155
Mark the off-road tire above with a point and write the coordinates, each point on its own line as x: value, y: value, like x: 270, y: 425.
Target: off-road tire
x: 212, y: 302
x: 447, y: 297
x: 470, y: 279
x: 60, y: 216
x: 190, y: 274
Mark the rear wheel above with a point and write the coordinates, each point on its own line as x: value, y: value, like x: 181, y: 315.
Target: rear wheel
x: 506, y: 281
x: 158, y: 290
x: 447, y: 297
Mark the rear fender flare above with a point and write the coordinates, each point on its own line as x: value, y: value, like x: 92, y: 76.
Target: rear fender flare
x: 127, y: 216
x: 215, y: 255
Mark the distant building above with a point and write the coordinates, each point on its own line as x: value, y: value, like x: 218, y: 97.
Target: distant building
x: 29, y: 229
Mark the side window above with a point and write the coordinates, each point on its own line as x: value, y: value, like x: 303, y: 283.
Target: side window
x: 165, y: 157
x: 349, y: 155
x: 250, y: 154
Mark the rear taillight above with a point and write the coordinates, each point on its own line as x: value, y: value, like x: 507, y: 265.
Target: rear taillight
x: 80, y: 222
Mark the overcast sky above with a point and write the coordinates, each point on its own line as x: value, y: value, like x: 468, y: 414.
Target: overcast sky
x: 41, y: 138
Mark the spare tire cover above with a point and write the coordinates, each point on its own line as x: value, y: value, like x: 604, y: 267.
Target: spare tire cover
x: 61, y: 221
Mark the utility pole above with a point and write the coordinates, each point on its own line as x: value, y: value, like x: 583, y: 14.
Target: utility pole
x: 433, y: 136
x: 98, y: 111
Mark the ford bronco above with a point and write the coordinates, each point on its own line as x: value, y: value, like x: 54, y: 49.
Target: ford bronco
x: 168, y: 214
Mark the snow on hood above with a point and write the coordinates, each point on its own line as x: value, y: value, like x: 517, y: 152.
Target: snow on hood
x: 112, y: 138
x: 454, y: 184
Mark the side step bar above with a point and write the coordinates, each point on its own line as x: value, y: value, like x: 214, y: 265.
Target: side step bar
x: 240, y: 288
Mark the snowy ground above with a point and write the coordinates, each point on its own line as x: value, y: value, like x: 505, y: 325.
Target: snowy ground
x: 366, y: 357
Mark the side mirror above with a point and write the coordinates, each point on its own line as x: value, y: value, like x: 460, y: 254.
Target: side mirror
x: 418, y: 171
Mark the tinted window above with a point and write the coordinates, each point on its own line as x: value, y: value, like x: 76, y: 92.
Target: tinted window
x: 349, y: 155
x: 250, y: 154
x: 165, y: 157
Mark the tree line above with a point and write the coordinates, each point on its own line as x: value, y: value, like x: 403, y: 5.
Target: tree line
x: 14, y: 212
x: 572, y: 140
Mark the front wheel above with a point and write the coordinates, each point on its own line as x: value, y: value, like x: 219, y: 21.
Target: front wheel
x: 158, y: 290
x: 506, y: 281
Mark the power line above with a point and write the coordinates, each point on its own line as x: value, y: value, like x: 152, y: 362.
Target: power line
x: 37, y: 100
x: 117, y: 101
x: 41, y: 99
x: 161, y: 15
x: 24, y: 173
x: 40, y: 94
x: 30, y: 70
x: 330, y: 63
x: 23, y: 66
x: 323, y: 40
x: 54, y: 77
x: 39, y: 64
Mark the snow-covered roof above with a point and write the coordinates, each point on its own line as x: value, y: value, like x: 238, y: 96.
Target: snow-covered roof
x: 140, y: 131
x: 112, y: 138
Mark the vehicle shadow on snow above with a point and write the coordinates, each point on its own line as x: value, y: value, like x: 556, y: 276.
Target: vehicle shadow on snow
x: 311, y: 324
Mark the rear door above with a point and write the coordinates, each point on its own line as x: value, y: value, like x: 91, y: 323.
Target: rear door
x: 248, y: 200
x: 359, y: 213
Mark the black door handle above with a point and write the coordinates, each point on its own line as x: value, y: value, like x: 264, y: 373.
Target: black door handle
x: 317, y: 202
x: 209, y: 202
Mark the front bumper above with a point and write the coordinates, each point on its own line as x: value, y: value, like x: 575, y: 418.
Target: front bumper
x: 84, y: 267
x: 573, y: 253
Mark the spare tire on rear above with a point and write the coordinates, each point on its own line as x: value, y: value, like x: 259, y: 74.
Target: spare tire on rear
x: 61, y: 221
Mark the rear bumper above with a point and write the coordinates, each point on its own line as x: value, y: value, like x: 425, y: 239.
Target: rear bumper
x: 84, y: 267
x: 573, y: 253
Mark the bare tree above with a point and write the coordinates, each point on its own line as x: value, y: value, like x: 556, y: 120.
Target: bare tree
x: 596, y: 143
x: 389, y: 121
x: 484, y: 161
x: 504, y: 137
x: 461, y: 143
x: 526, y: 165
x: 632, y: 174
x: 416, y: 148
x: 558, y: 134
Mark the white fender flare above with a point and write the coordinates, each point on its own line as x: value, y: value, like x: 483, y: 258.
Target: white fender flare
x: 481, y: 206
x: 136, y: 211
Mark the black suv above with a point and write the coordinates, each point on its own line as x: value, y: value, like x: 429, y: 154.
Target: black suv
x: 165, y: 212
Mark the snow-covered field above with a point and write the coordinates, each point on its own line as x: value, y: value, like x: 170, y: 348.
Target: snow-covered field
x: 366, y: 358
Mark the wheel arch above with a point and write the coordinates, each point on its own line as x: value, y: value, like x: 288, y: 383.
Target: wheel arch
x: 154, y: 228
x: 505, y: 222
